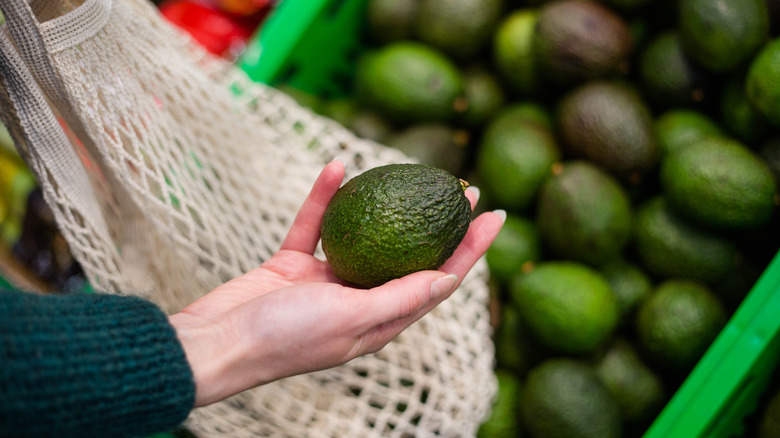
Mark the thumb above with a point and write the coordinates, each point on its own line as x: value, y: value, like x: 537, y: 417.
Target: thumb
x: 408, y: 295
x: 399, y: 303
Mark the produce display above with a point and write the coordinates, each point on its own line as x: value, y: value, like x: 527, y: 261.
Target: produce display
x: 634, y: 145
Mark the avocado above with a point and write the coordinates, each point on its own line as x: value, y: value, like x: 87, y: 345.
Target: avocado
x: 630, y: 284
x: 739, y: 115
x: 434, y: 144
x: 408, y: 82
x: 391, y: 20
x: 459, y: 28
x: 394, y: 220
x: 579, y: 40
x: 670, y: 246
x: 761, y: 84
x: 583, y: 213
x: 720, y: 183
x: 669, y: 78
x: 527, y: 111
x: 516, y: 350
x: 564, y: 398
x: 341, y: 110
x: 608, y: 123
x: 516, y: 246
x: 513, y: 159
x: 503, y: 421
x: 679, y: 127
x: 567, y: 306
x: 513, y: 53
x: 678, y: 322
x: 636, y: 387
x: 484, y: 95
x: 370, y: 125
x: 721, y: 35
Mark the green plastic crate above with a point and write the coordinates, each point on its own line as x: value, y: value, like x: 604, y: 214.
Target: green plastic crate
x: 728, y: 381
x: 312, y: 45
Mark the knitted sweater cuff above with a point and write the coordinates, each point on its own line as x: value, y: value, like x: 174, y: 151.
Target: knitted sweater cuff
x: 89, y: 365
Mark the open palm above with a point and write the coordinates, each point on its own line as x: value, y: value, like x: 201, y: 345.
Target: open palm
x: 291, y: 315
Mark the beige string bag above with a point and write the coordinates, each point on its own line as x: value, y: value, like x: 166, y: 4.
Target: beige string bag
x: 166, y: 184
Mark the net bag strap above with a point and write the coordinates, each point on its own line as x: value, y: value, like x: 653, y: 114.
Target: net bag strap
x: 32, y: 121
x: 88, y: 189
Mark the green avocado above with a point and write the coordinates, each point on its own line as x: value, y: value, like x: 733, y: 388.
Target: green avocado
x: 394, y: 220
x: 720, y: 183
x: 564, y: 398
x: 503, y: 421
x: 583, y: 213
x: 722, y: 35
x: 408, y: 82
x: 670, y: 246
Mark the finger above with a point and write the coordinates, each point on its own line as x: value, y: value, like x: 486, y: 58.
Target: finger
x: 305, y: 230
x: 481, y: 233
x: 472, y: 193
x: 399, y: 303
x: 402, y: 297
x: 405, y: 296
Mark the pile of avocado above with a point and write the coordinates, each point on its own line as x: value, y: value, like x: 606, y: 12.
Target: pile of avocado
x: 635, y: 145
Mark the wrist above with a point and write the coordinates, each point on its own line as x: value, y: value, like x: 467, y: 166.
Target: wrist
x: 211, y: 355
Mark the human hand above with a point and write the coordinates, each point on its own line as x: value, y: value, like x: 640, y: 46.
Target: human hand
x: 291, y: 315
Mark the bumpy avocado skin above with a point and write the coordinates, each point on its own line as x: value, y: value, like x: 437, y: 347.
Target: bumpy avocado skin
x: 393, y: 220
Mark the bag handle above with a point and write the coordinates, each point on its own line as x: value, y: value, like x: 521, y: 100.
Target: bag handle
x: 26, y: 33
x: 55, y: 154
x: 39, y: 137
x: 36, y: 40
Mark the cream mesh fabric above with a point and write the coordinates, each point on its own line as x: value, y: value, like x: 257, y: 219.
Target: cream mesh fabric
x: 170, y: 172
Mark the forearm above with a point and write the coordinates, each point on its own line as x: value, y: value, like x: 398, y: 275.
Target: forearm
x: 89, y: 365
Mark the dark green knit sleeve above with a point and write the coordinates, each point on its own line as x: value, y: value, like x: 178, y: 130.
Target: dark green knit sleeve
x: 89, y: 365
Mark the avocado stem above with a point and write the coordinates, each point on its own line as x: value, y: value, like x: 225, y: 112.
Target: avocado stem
x: 463, y: 183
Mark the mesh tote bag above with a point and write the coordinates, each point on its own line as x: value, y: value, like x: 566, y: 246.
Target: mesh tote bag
x: 169, y: 172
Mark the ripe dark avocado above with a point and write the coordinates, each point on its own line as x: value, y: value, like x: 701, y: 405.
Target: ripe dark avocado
x: 394, y: 220
x: 434, y: 144
x: 609, y: 123
x: 580, y: 40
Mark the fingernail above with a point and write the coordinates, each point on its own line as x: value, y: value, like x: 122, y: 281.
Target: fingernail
x: 474, y: 190
x: 339, y: 159
x: 500, y: 213
x: 443, y: 285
